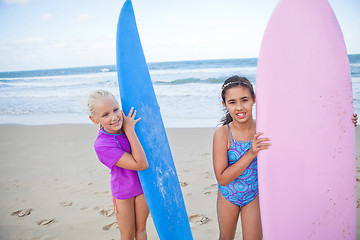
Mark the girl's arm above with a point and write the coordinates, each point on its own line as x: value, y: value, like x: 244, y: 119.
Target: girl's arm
x: 224, y: 173
x: 137, y: 159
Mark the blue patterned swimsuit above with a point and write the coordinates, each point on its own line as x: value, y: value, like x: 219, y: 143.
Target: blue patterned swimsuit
x: 244, y: 188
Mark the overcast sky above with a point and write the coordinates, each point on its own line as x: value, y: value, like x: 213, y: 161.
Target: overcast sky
x: 43, y: 34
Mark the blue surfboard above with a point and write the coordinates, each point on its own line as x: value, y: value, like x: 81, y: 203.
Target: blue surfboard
x: 160, y: 181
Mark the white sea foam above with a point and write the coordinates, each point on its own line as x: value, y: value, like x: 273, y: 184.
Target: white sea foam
x: 201, y: 70
x: 188, y: 92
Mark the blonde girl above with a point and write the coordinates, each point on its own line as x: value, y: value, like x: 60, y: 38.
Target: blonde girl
x: 119, y: 149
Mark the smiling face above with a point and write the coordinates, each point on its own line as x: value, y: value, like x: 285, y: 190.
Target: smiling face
x: 108, y: 114
x: 239, y: 102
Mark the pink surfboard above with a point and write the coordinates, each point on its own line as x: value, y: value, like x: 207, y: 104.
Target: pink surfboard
x: 304, y: 104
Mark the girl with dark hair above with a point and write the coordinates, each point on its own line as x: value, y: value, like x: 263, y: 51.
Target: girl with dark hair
x: 235, y: 147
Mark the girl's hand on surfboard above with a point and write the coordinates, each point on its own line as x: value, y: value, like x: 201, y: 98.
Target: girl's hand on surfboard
x: 354, y: 119
x: 259, y: 144
x: 129, y: 120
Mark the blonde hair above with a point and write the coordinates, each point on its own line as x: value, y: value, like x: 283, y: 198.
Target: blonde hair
x: 95, y: 97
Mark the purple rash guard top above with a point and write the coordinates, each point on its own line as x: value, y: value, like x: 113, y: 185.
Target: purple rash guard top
x: 110, y: 148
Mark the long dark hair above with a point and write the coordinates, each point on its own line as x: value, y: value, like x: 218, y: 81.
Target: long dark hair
x: 231, y: 82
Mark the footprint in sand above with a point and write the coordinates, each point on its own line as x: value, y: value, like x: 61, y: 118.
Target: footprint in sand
x: 358, y: 204
x: 107, y: 213
x: 45, y: 237
x: 84, y: 208
x: 209, y: 175
x: 199, y: 219
x: 50, y: 180
x: 209, y: 192
x: 211, y: 189
x: 21, y: 213
x: 45, y: 222
x: 65, y: 203
x: 183, y: 184
x: 109, y: 226
x: 205, y: 154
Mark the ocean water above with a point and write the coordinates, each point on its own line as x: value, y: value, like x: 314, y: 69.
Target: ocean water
x: 188, y: 92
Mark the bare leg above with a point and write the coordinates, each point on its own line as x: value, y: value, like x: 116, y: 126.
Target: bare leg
x: 141, y: 215
x: 251, y: 221
x: 228, y: 215
x: 125, y: 217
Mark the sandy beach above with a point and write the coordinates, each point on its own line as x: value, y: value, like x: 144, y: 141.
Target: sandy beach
x: 52, y: 185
